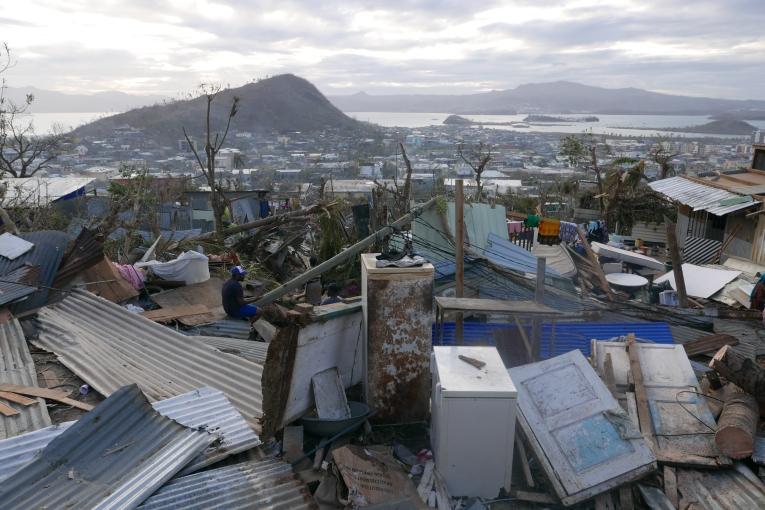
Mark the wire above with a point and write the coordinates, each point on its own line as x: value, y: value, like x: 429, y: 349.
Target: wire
x: 677, y: 399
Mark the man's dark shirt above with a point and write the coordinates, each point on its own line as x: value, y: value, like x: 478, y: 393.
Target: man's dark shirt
x: 232, y: 295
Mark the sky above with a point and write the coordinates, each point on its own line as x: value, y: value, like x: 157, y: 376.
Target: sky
x: 696, y: 47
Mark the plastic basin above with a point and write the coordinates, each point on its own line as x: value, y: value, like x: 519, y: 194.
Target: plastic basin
x: 328, y: 428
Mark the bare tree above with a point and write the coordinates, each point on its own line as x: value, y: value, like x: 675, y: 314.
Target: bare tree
x: 22, y: 153
x: 583, y: 152
x: 213, y: 145
x: 661, y: 154
x: 476, y: 157
x: 406, y: 194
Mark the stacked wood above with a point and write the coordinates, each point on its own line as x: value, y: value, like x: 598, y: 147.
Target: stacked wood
x: 740, y: 370
x: 709, y: 343
x: 737, y: 426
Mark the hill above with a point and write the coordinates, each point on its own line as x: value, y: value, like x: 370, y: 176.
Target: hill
x: 283, y: 103
x: 559, y: 97
x: 50, y: 101
x: 720, y: 127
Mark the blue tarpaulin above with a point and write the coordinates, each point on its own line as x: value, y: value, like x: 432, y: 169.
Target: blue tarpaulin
x: 568, y: 335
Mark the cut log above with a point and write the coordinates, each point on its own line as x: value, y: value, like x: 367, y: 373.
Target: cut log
x: 709, y: 343
x: 737, y: 426
x: 740, y: 370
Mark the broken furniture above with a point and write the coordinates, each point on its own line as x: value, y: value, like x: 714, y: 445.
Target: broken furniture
x: 473, y: 462
x: 585, y: 442
x: 398, y: 316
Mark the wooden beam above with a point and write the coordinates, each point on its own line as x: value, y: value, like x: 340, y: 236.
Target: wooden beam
x: 7, y: 410
x: 677, y: 262
x: 741, y: 371
x: 596, y: 266
x: 641, y: 396
x: 520, y: 447
x: 18, y: 399
x: 46, y: 393
x: 608, y: 375
x: 670, y: 485
x: 708, y: 344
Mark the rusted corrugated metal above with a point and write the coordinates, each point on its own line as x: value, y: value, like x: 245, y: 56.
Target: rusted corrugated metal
x: 203, y: 408
x: 398, y: 308
x: 720, y: 489
x: 47, y: 253
x: 17, y: 367
x: 250, y: 349
x: 701, y: 197
x: 115, y: 456
x: 19, y: 283
x: 109, y: 347
x: 265, y: 485
x: 85, y: 252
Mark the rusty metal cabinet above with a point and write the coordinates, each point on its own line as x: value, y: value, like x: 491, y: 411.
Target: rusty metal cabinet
x: 398, y: 319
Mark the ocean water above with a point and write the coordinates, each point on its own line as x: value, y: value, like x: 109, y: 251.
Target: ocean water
x: 624, y: 125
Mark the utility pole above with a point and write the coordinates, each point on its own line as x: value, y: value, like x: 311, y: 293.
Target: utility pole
x: 459, y: 274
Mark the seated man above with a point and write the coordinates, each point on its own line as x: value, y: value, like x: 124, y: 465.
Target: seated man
x: 333, y: 294
x: 233, y: 297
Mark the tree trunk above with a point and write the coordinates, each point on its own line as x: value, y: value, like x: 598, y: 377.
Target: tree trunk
x: 737, y: 426
x: 741, y: 371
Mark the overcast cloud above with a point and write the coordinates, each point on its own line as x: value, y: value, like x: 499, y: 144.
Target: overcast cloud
x: 696, y: 47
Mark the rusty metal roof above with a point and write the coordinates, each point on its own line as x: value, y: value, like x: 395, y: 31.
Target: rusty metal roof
x: 249, y: 349
x: 109, y: 347
x: 19, y: 283
x: 720, y: 489
x: 265, y: 485
x: 701, y: 197
x: 17, y: 367
x: 85, y: 251
x: 205, y: 407
x: 115, y: 456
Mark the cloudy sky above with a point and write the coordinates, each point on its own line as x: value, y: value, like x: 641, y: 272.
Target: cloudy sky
x: 696, y: 47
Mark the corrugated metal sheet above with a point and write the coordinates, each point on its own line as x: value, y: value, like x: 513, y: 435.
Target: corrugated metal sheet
x: 697, y: 250
x: 19, y: 283
x: 40, y: 191
x: 649, y: 232
x: 701, y: 197
x: 511, y: 256
x: 17, y: 367
x: 85, y: 252
x: 557, y: 259
x: 265, y: 485
x: 568, y: 336
x: 203, y: 408
x: 12, y: 247
x: 47, y: 253
x: 115, y: 456
x: 229, y: 328
x: 249, y: 349
x: 108, y: 347
x: 720, y: 489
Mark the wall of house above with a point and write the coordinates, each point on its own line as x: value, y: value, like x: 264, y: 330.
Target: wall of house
x: 744, y: 230
x: 682, y: 224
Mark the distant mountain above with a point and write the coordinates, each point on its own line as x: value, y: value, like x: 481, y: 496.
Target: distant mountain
x: 719, y: 127
x: 555, y: 97
x: 50, y: 101
x: 284, y: 103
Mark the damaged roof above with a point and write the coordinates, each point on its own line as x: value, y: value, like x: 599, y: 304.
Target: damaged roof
x: 19, y: 283
x: 109, y: 347
x: 17, y: 367
x: 266, y: 484
x: 701, y: 197
x: 113, y: 457
x: 203, y: 408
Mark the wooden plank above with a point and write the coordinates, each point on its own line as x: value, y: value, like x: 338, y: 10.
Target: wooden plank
x: 16, y: 398
x: 520, y: 447
x: 608, y: 376
x: 625, y: 498
x: 534, y: 497
x: 174, y: 312
x: 46, y: 393
x: 292, y: 443
x: 641, y: 398
x: 604, y: 502
x: 677, y: 263
x: 670, y: 485
x: 526, y: 343
x: 596, y: 266
x: 7, y: 410
x: 426, y: 482
x: 329, y: 394
x: 450, y: 304
x: 442, y: 493
x: 708, y: 344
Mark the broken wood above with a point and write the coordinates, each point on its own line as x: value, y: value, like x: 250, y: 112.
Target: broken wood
x: 742, y: 371
x: 604, y: 502
x: 7, y: 410
x: 608, y: 376
x: 472, y: 361
x: 534, y: 497
x: 524, y: 458
x: 16, y: 398
x: 670, y: 485
x: 526, y: 343
x: 426, y: 482
x: 442, y: 493
x: 677, y: 263
x: 174, y: 312
x: 625, y: 498
x: 46, y: 393
x: 708, y: 344
x: 641, y: 397
x: 737, y: 426
x: 601, y: 276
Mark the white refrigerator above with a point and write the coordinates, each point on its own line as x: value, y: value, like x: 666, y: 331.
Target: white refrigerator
x: 472, y: 426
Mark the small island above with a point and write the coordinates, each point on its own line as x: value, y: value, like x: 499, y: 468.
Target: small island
x: 458, y: 120
x: 550, y: 118
x: 718, y: 127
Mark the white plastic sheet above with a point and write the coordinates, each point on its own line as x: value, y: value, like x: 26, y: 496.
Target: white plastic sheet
x: 701, y: 282
x: 190, y: 267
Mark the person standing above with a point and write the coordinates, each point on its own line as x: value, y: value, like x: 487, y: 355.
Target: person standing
x: 232, y: 296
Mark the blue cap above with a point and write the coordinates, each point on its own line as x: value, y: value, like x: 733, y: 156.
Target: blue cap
x: 238, y: 271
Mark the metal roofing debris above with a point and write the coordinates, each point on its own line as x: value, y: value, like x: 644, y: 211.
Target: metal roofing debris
x: 702, y: 197
x: 85, y: 252
x: 229, y: 328
x: 47, y: 252
x: 700, y: 282
x: 605, y: 250
x: 203, y: 408
x: 249, y: 349
x: 109, y: 347
x: 558, y: 259
x: 568, y: 336
x: 12, y: 247
x: 19, y: 283
x: 511, y: 256
x: 649, y: 232
x: 41, y: 191
x: 113, y: 457
x: 266, y: 484
x: 585, y: 441
x: 721, y: 489
x: 17, y: 367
